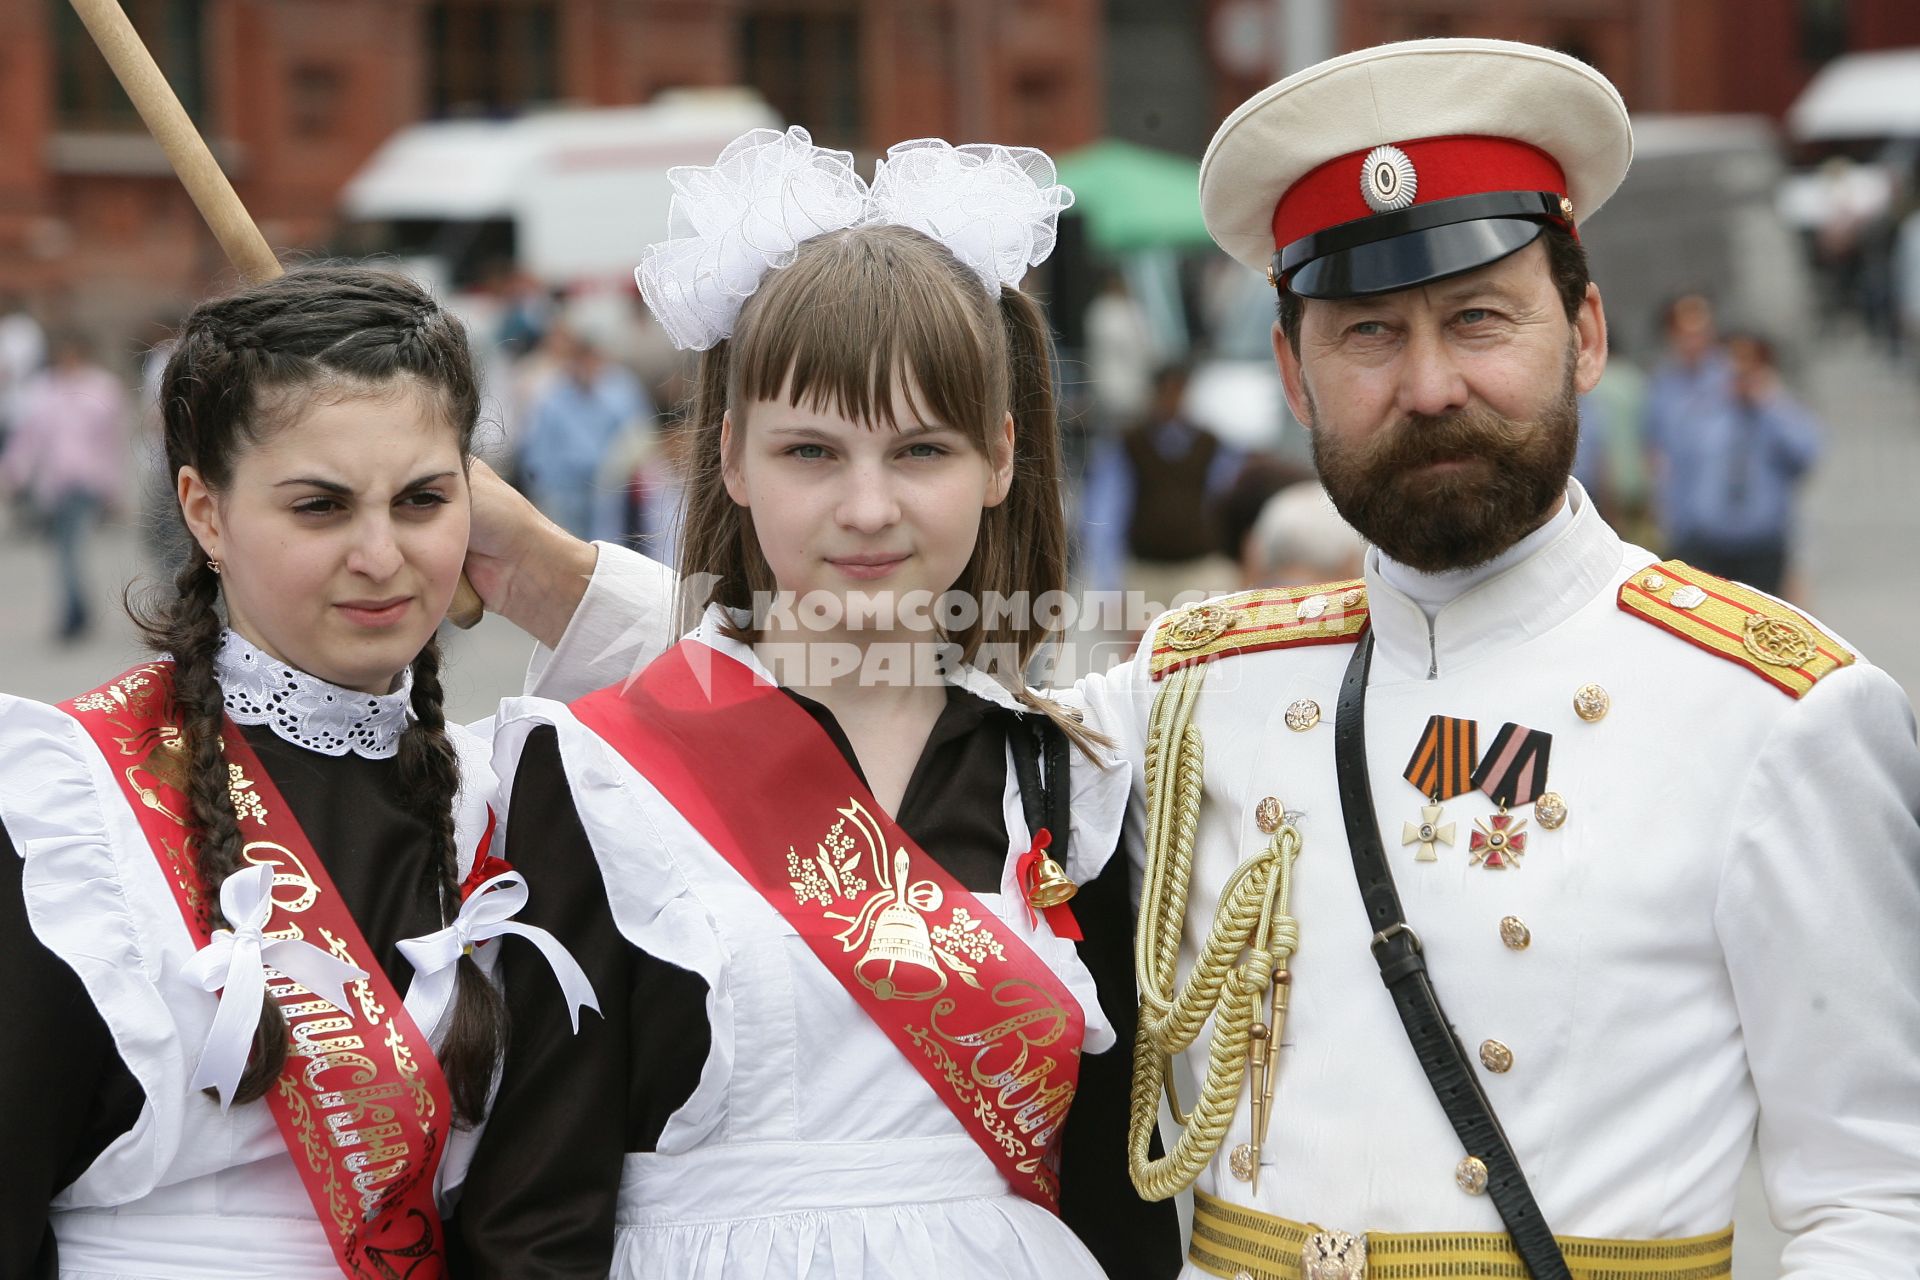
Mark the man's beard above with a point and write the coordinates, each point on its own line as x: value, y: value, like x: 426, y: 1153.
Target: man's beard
x: 1461, y: 517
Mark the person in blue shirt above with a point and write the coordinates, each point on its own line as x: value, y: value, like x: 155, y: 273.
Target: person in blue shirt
x: 578, y: 417
x: 1733, y: 464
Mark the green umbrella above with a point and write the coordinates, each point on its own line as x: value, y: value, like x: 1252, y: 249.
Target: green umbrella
x: 1135, y: 198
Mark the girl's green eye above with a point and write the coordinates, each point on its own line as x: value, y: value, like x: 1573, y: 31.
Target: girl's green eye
x: 808, y: 452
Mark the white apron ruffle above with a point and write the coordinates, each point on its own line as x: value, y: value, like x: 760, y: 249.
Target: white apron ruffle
x: 835, y: 1211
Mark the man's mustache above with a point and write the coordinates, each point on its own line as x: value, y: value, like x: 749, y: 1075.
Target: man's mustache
x: 1421, y: 439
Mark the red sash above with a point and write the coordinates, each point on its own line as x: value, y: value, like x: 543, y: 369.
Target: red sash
x: 992, y: 1030
x: 362, y: 1104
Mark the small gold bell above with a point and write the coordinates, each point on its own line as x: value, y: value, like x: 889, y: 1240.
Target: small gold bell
x: 1050, y: 884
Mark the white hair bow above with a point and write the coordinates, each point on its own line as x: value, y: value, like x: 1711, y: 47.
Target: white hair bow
x: 234, y: 962
x: 487, y: 913
x: 996, y: 208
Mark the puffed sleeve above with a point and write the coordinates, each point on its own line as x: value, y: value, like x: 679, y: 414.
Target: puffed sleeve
x: 539, y: 1196
x: 1116, y: 703
x: 68, y: 1094
x: 625, y: 620
x: 1817, y: 912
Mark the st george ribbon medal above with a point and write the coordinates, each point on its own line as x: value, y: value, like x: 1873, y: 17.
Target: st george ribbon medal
x: 1441, y: 767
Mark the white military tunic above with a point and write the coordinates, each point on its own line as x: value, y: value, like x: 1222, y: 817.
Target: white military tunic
x: 1720, y: 933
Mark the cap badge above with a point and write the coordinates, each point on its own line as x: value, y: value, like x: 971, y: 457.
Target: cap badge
x: 1387, y: 179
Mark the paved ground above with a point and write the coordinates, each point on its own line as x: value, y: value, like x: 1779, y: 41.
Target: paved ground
x: 1860, y: 569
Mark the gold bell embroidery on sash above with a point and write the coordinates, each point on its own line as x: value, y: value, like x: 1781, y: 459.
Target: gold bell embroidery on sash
x: 899, y: 963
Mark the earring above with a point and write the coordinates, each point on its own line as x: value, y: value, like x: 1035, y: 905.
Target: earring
x: 213, y: 565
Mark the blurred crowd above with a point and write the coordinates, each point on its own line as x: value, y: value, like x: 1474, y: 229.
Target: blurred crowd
x: 1699, y: 454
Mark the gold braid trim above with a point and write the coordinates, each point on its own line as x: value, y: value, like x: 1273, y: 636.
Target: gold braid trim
x: 1252, y: 917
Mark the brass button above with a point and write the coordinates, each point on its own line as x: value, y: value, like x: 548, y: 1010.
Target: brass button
x: 1268, y: 815
x: 1303, y: 715
x: 1470, y: 1175
x: 1591, y: 702
x: 1241, y: 1162
x: 1496, y: 1057
x: 1653, y: 582
x: 1352, y: 597
x: 1551, y: 810
x: 1514, y: 932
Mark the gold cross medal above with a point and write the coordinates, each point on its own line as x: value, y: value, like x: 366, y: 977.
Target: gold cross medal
x: 1441, y: 768
x: 1428, y: 833
x: 1514, y: 773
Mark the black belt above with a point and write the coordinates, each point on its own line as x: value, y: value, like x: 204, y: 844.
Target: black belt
x: 1396, y: 949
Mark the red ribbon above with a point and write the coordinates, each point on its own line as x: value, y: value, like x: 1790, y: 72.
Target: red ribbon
x: 1027, y: 873
x: 485, y: 865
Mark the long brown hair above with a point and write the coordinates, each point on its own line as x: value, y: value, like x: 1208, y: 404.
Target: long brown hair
x: 857, y: 311
x: 239, y: 369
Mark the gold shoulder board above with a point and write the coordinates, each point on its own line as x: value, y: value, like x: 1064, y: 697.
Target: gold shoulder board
x: 1777, y: 643
x: 1270, y: 618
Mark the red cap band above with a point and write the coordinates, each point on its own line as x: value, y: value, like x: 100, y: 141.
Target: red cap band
x: 1443, y: 168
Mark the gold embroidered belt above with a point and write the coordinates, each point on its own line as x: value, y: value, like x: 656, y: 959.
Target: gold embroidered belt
x: 1238, y: 1243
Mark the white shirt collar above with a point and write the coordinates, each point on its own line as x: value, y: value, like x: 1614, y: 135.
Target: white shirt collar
x: 304, y: 709
x: 1519, y: 597
x: 1432, y: 591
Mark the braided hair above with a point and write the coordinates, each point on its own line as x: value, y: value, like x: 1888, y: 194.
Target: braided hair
x: 239, y: 369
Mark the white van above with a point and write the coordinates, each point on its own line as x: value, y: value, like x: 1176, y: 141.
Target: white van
x: 568, y: 196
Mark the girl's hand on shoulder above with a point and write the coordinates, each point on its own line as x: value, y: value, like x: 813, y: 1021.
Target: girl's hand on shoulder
x: 525, y: 567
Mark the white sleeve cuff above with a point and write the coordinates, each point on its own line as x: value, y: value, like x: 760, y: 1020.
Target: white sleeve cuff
x: 625, y: 620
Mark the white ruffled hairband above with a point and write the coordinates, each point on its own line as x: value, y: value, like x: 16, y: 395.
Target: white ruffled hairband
x: 996, y: 208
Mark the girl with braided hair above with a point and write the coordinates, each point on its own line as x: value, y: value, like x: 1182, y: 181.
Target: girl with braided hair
x: 276, y: 811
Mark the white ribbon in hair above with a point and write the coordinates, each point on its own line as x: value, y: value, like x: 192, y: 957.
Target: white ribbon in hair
x: 235, y: 961
x: 487, y: 913
x: 995, y: 208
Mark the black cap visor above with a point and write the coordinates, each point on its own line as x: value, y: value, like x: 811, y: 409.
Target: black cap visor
x: 1416, y: 245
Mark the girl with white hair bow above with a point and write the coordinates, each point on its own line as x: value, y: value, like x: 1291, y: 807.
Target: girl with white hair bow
x: 788, y: 1082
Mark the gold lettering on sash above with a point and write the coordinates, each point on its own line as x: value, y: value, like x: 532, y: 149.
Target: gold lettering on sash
x: 350, y: 1107
x: 1004, y: 1060
x: 371, y: 1009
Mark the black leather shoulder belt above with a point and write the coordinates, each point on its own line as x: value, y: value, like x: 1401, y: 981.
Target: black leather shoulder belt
x: 1396, y: 949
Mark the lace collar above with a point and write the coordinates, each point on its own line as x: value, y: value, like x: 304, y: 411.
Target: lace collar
x: 305, y: 710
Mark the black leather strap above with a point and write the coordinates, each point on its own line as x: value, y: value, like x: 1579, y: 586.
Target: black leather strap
x: 1403, y: 967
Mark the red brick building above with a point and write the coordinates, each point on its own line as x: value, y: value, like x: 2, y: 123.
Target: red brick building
x: 1665, y: 55
x: 294, y: 95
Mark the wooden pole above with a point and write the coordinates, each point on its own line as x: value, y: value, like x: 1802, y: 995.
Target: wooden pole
x: 171, y: 127
x: 200, y: 174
